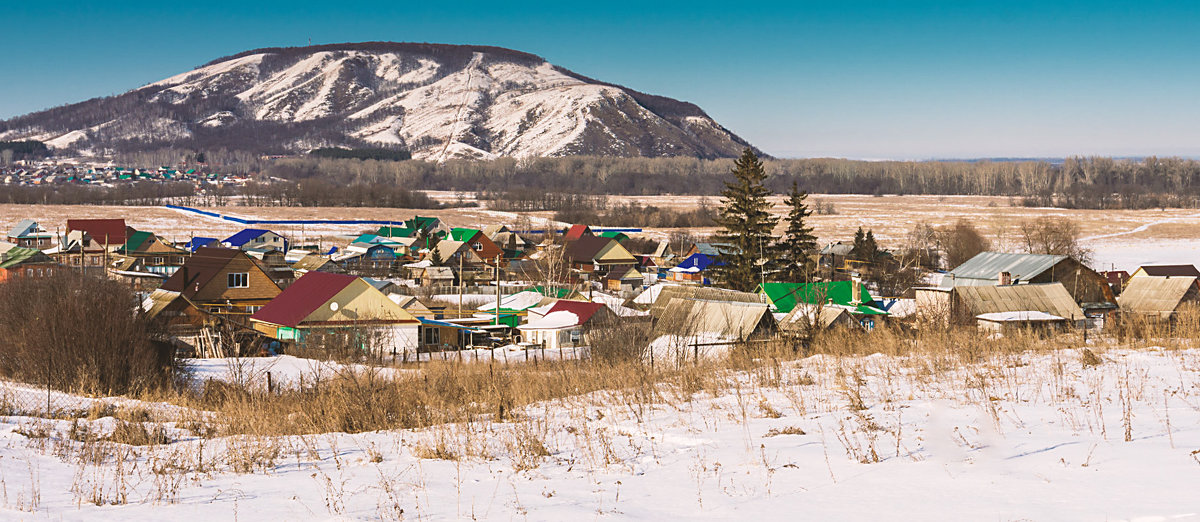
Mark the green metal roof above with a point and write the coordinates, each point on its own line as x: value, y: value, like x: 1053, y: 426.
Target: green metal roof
x: 621, y: 237
x: 463, y: 234
x: 785, y: 296
x: 395, y: 232
x: 17, y: 255
x: 135, y: 241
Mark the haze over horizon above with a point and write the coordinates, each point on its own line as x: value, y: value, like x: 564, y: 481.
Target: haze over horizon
x: 870, y: 80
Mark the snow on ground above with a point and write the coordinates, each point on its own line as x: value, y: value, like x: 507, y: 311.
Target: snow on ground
x: 1130, y: 255
x: 285, y: 370
x: 1030, y: 437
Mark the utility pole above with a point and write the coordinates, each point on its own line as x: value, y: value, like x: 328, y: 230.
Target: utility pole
x: 460, y: 285
x: 497, y: 268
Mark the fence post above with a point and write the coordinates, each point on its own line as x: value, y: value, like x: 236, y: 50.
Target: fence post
x: 696, y: 352
x: 270, y: 384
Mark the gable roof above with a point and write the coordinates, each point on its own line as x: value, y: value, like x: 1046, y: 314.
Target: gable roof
x: 565, y: 314
x: 614, y: 234
x: 587, y: 248
x: 675, y: 292
x: 302, y: 298
x: 395, y: 232
x: 696, y: 263
x: 723, y: 319
x: 1169, y: 270
x: 197, y: 242
x: 28, y: 228
x: 715, y: 249
x: 419, y: 223
x: 1155, y: 295
x: 243, y: 237
x: 12, y: 255
x: 199, y: 269
x: 463, y: 234
x: 105, y: 231
x: 1051, y: 298
x: 985, y: 268
x: 785, y: 296
x: 576, y: 232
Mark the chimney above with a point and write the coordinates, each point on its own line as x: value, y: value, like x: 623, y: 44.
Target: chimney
x: 855, y: 291
x: 1005, y: 278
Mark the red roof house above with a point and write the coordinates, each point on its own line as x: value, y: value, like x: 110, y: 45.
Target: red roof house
x: 105, y: 231
x: 576, y: 232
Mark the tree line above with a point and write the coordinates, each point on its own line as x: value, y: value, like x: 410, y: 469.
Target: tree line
x: 1094, y: 182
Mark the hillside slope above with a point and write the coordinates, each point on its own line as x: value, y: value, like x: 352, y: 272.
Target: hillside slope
x: 439, y: 101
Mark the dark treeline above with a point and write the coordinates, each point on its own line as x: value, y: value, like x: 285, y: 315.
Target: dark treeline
x: 141, y: 193
x: 596, y: 209
x: 1077, y: 182
x: 22, y: 150
x: 361, y: 154
x: 316, y: 192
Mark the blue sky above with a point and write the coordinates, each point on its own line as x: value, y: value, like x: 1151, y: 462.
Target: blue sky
x: 902, y: 80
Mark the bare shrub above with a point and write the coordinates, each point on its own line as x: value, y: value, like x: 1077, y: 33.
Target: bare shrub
x: 1054, y: 235
x: 82, y: 334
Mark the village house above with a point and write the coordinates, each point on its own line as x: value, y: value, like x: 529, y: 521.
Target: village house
x: 483, y: 246
x: 691, y: 328
x: 1158, y: 298
x: 598, y: 256
x: 565, y: 324
x: 962, y: 305
x: 1089, y: 289
x: 309, y: 262
x: 157, y: 256
x: 17, y: 261
x: 29, y: 234
x: 255, y: 238
x: 513, y: 245
x: 223, y: 282
x: 693, y: 269
x: 343, y: 306
x: 110, y: 233
x: 79, y: 251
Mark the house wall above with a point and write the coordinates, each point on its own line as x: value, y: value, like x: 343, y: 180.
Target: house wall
x: 261, y: 287
x: 1083, y: 283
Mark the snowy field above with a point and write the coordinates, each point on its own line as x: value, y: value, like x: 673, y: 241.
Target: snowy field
x: 1033, y: 436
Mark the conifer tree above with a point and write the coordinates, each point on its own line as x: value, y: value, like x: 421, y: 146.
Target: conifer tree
x: 794, y: 251
x: 746, y: 225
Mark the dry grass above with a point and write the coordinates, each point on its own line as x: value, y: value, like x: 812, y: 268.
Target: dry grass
x: 528, y: 415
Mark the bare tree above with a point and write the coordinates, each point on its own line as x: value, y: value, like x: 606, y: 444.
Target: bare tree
x: 1056, y: 236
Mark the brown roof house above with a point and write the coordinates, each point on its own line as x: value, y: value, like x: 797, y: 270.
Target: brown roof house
x: 1158, y: 298
x: 599, y: 255
x: 223, y: 282
x: 1089, y: 289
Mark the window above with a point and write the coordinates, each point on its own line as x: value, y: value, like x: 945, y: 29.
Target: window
x: 477, y: 246
x: 432, y: 336
x: 253, y: 309
x: 239, y: 280
x: 159, y: 261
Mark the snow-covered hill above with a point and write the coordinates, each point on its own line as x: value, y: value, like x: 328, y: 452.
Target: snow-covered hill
x: 439, y: 101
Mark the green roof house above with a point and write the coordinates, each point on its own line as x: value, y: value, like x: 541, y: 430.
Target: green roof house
x: 785, y: 296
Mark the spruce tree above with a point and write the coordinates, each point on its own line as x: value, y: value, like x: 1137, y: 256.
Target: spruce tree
x: 746, y: 225
x: 794, y: 251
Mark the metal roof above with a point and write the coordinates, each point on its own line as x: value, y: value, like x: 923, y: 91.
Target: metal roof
x: 725, y: 319
x: 1051, y: 298
x: 1156, y: 295
x: 985, y: 268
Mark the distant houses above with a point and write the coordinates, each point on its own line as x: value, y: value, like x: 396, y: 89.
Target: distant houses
x: 424, y: 286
